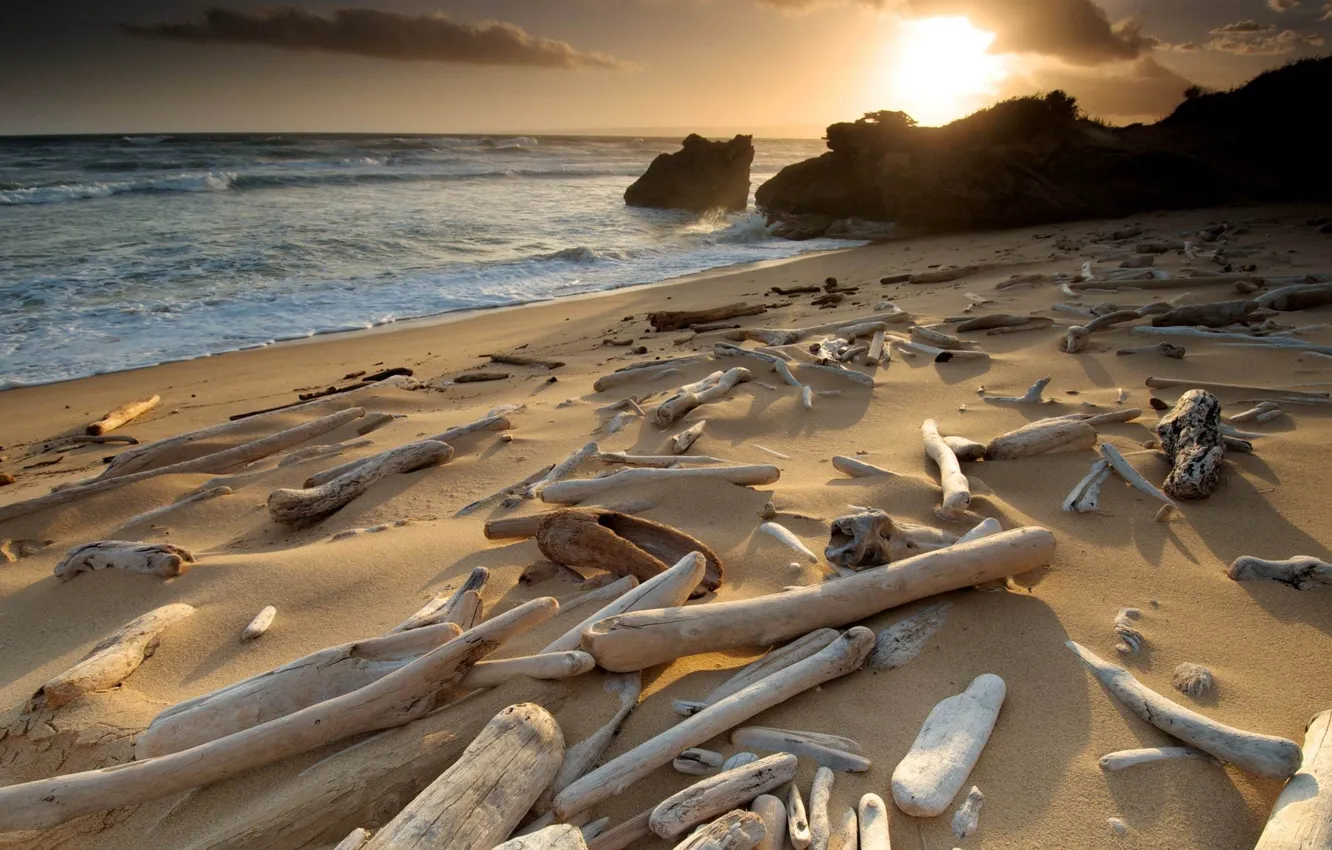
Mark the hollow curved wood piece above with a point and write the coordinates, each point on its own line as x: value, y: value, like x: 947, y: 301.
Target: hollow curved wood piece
x: 901, y: 642
x: 118, y: 416
x: 1302, y: 816
x: 573, y: 492
x: 112, y: 660
x: 737, y: 830
x: 315, y: 503
x: 1302, y: 572
x: 155, y: 559
x: 646, y: 638
x: 947, y: 748
x: 620, y: 543
x: 720, y: 793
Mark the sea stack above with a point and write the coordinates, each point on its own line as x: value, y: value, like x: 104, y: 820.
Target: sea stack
x: 702, y: 175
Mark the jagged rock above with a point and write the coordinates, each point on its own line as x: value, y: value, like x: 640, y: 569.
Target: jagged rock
x: 798, y: 228
x: 1191, y: 435
x: 702, y: 175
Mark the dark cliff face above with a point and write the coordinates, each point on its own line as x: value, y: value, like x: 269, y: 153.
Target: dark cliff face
x: 702, y: 175
x: 1037, y: 160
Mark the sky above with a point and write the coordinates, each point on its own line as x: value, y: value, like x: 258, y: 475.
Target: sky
x: 770, y: 67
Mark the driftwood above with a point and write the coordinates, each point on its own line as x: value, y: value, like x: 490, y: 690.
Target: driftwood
x: 947, y: 748
x: 643, y: 639
x: 573, y: 492
x: 508, y: 492
x: 1192, y: 679
x: 355, y: 840
x: 788, y: 539
x: 797, y: 819
x: 901, y: 642
x: 112, y: 660
x: 1191, y: 435
x: 456, y: 607
x: 561, y: 470
x: 772, y: 812
x: 847, y: 329
x: 1212, y: 386
x: 871, y: 539
x: 260, y: 624
x: 580, y: 758
x: 965, y: 449
x: 293, y: 506
x: 548, y: 665
x: 1035, y: 323
x: 713, y: 388
x: 1302, y: 816
x: 475, y: 804
x: 523, y: 527
x: 522, y: 360
x: 872, y: 815
x: 1302, y: 572
x: 1121, y: 466
x: 942, y: 275
x: 1165, y: 349
x: 1217, y: 314
x: 156, y: 559
x: 697, y: 762
x: 1165, y: 283
x: 664, y: 320
x: 486, y: 423
x: 118, y: 416
x: 327, y: 450
x: 956, y: 489
x: 658, y: 461
x: 1265, y: 755
x: 1085, y: 497
x: 1116, y: 761
x: 838, y: 371
x: 398, y: 698
x: 681, y: 442
x: 820, y: 792
x: 619, y: 543
x: 1032, y: 395
x: 778, y: 659
x: 938, y: 339
x: 831, y: 751
x: 995, y: 320
x: 718, y: 794
x: 857, y: 468
x: 736, y: 830
x: 562, y: 836
x: 480, y: 377
x: 669, y: 588
x: 1041, y: 438
x: 624, y: 835
x: 845, y: 834
x: 967, y: 817
x: 841, y: 657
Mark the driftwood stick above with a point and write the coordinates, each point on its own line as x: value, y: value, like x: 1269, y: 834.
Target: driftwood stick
x: 901, y: 642
x: 1085, y: 495
x: 668, y: 588
x: 400, y: 697
x: 485, y: 423
x: 841, y: 657
x: 1165, y: 283
x: 156, y: 559
x: 1121, y: 466
x: 561, y: 836
x: 580, y: 758
x: 293, y: 506
x: 523, y: 527
x: 873, y: 818
x: 797, y: 820
x: 118, y: 416
x: 112, y: 660
x: 965, y: 449
x: 1212, y: 386
x: 520, y: 487
x: 1302, y: 816
x: 837, y: 371
x: 482, y: 798
x: 1116, y: 761
x: 691, y: 396
x: 718, y: 794
x: 645, y: 638
x: 573, y: 492
x: 1031, y: 396
x: 658, y: 461
x: 1302, y: 572
x: 956, y: 489
x: 449, y: 608
x: 820, y: 794
x: 548, y: 665
x: 1041, y: 438
x: 1265, y: 755
x: 562, y: 469
x: 783, y: 535
x: 778, y: 659
x: 624, y: 835
x: 947, y: 748
x: 296, y: 456
x: 830, y: 751
x: 857, y: 468
x: 681, y: 442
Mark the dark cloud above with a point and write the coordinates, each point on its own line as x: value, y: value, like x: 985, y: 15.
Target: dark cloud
x: 383, y: 35
x: 1282, y: 5
x: 1243, y: 26
x: 1258, y: 44
x: 1139, y: 90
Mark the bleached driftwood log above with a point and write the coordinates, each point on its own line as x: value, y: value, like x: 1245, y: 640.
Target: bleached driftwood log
x: 939, y: 355
x: 718, y: 794
x: 621, y: 544
x: 831, y: 751
x: 1213, y: 386
x: 1302, y: 816
x: 843, y: 656
x: 820, y: 824
x: 669, y: 588
x: 857, y: 468
x: 560, y: 836
x: 658, y: 461
x: 572, y: 492
x: 1302, y: 572
x: 697, y: 762
x: 1116, y: 761
x: 155, y: 559
x: 547, y: 665
x: 956, y: 489
x: 580, y: 758
x: 485, y: 423
x: 118, y: 416
x: 1031, y: 396
x: 947, y: 748
x: 156, y: 513
x: 965, y: 449
x: 1254, y: 412
x: 1121, y: 466
x: 695, y: 395
x: 967, y: 817
x: 737, y: 830
x: 645, y: 638
x: 637, y: 371
x: 112, y: 660
x: 1085, y: 497
x: 451, y: 607
x: 355, y: 840
x: 773, y: 814
x: 400, y: 697
x: 1041, y: 438
x: 778, y: 659
x: 293, y: 506
x: 260, y: 624
x: 1264, y: 755
x: 985, y: 528
x: 903, y: 641
x: 871, y: 539
x: 1164, y: 283
x: 681, y: 442
x: 562, y: 470
x: 872, y: 815
x: 1191, y: 435
x: 476, y: 803
x: 784, y: 536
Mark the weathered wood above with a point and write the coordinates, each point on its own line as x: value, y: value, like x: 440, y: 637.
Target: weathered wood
x: 784, y: 535
x: 778, y: 659
x: 293, y: 506
x: 548, y: 665
x: 1191, y: 435
x: 523, y: 360
x: 355, y: 840
x: 720, y: 793
x: 509, y: 492
x: 561, y: 470
x: 831, y: 751
x: 773, y: 814
x: 561, y: 836
x: 820, y: 821
x: 456, y: 607
x: 155, y: 559
x: 666, y: 320
x: 967, y: 817
x: 947, y: 748
x: 873, y: 819
x: 477, y: 802
x: 400, y: 697
x: 857, y: 468
x: 260, y: 624
x: 1217, y: 314
x: 645, y: 638
x: 118, y: 416
x: 903, y: 641
x: 870, y: 538
x: 669, y: 588
x: 737, y: 830
x: 573, y: 492
x: 995, y: 320
x: 1031, y: 396
x: 965, y: 449
x: 1116, y: 761
x: 841, y: 657
x: 623, y: 835
x: 156, y: 513
x: 1265, y: 755
x: 1165, y: 283
x: 485, y: 423
x: 681, y: 442
x: 691, y: 396
x: 1121, y: 466
x: 112, y: 660
x: 1302, y: 572
x: 797, y: 820
x: 1213, y: 386
x: 1041, y: 438
x: 1302, y: 816
x: 956, y: 489
x: 580, y: 758
x: 620, y: 543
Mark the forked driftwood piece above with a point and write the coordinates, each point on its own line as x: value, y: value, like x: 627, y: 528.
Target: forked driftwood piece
x: 293, y: 506
x: 967, y: 817
x: 956, y: 489
x: 112, y: 660
x: 155, y: 559
x: 619, y: 543
x: 1264, y: 755
x: 718, y: 794
x: 736, y: 830
x: 1116, y: 761
x: 947, y: 748
x: 691, y: 396
x: 1041, y: 438
x: 820, y: 824
x: 523, y: 527
x: 643, y: 639
x: 964, y: 449
x: 260, y: 624
x: 118, y: 416
x: 1085, y: 497
x: 573, y: 492
x: 831, y: 751
x: 400, y: 697
x: 455, y: 607
x: 1302, y: 816
x: 778, y: 659
x: 560, y: 836
x: 669, y: 588
x: 901, y: 642
x: 872, y: 815
x: 1032, y: 395
x: 797, y: 820
x: 580, y: 758
x: 1302, y: 572
x: 857, y: 468
x: 841, y: 657
x: 681, y: 442
x: 772, y: 812
x: 784, y: 536
x: 479, y: 801
x: 1121, y: 466
x: 1191, y: 435
x: 871, y: 539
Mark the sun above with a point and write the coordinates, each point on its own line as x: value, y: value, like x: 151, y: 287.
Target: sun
x: 940, y: 70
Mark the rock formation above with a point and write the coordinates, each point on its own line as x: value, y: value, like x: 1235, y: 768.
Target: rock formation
x: 702, y: 175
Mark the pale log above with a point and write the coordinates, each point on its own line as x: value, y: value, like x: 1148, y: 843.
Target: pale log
x: 155, y: 559
x: 1302, y: 816
x: 777, y: 659
x: 573, y: 492
x: 293, y: 506
x: 120, y: 415
x: 720, y: 793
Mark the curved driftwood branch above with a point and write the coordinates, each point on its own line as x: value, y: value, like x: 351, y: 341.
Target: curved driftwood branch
x: 669, y: 588
x: 620, y: 544
x: 841, y: 657
x: 838, y: 371
x: 292, y: 506
x: 1302, y: 816
x: 1122, y: 759
x: 455, y: 607
x: 778, y: 659
x: 112, y: 660
x: 1302, y: 572
x: 400, y: 697
x: 645, y: 638
x: 831, y: 751
x: 718, y: 794
x: 156, y: 559
x: 957, y: 491
x: 1264, y: 755
x: 120, y: 415
x: 947, y: 748
x: 479, y: 801
x: 572, y: 492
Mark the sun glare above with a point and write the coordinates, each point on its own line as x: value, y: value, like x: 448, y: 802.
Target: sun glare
x: 940, y: 70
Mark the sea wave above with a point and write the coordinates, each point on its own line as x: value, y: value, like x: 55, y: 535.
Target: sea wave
x: 210, y: 182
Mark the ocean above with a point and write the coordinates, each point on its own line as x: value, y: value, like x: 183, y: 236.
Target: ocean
x: 126, y: 251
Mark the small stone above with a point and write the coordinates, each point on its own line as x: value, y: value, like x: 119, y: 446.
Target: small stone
x: 1118, y: 827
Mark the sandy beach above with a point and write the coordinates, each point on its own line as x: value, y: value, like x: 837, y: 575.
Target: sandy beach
x: 1267, y: 645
